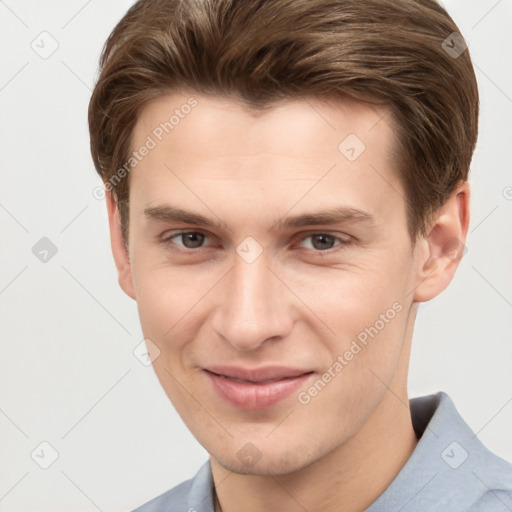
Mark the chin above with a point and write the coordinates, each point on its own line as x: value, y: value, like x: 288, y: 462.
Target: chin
x: 264, y: 463
x: 269, y: 468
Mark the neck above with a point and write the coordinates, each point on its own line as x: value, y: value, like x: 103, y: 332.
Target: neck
x: 350, y: 478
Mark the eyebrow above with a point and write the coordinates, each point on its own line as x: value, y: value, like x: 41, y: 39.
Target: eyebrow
x: 171, y: 213
x: 336, y: 215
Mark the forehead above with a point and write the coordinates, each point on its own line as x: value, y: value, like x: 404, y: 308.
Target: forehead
x: 219, y: 121
x: 307, y: 149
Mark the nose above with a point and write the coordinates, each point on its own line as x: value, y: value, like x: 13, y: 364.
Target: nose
x: 254, y: 307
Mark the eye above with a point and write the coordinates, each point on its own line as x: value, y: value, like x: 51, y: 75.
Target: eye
x: 187, y: 239
x: 322, y: 241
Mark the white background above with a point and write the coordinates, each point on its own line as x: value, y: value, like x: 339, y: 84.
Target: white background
x: 67, y: 372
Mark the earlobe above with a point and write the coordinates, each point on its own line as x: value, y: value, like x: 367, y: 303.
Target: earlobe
x: 446, y: 246
x: 119, y: 250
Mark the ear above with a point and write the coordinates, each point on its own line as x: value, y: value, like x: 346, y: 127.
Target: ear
x: 119, y: 250
x: 444, y: 245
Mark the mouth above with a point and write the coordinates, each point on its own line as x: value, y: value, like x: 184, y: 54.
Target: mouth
x: 253, y: 389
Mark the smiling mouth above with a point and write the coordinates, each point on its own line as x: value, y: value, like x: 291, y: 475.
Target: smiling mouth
x: 259, y: 382
x: 256, y: 389
x: 268, y: 373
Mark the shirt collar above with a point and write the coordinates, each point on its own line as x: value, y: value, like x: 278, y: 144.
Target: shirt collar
x: 200, y: 498
x: 450, y: 469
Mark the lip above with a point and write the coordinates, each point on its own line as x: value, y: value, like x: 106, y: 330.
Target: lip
x: 257, y: 388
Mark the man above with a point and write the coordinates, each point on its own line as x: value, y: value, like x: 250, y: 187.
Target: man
x: 287, y: 182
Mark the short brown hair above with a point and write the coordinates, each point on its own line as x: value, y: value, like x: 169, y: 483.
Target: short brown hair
x: 406, y: 54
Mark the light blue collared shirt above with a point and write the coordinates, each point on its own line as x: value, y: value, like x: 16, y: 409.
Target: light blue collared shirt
x: 450, y: 470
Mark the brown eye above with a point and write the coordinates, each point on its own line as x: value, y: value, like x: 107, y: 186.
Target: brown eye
x: 322, y: 242
x: 187, y: 239
x: 192, y: 240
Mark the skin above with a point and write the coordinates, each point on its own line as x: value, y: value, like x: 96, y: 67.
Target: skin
x: 295, y: 305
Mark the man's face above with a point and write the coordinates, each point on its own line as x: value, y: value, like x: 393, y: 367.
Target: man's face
x: 323, y: 307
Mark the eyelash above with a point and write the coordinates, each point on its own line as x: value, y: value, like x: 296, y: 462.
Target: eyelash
x: 340, y: 245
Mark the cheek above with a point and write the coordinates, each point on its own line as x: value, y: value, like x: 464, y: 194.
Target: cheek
x: 173, y: 305
x: 166, y: 296
x: 362, y: 315
x: 365, y: 355
x: 167, y: 304
x: 161, y: 305
x: 348, y: 300
x: 157, y: 302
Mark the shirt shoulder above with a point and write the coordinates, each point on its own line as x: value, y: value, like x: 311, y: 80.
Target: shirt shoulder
x: 194, y: 495
x: 450, y: 469
x: 174, y: 500
x: 493, y: 501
